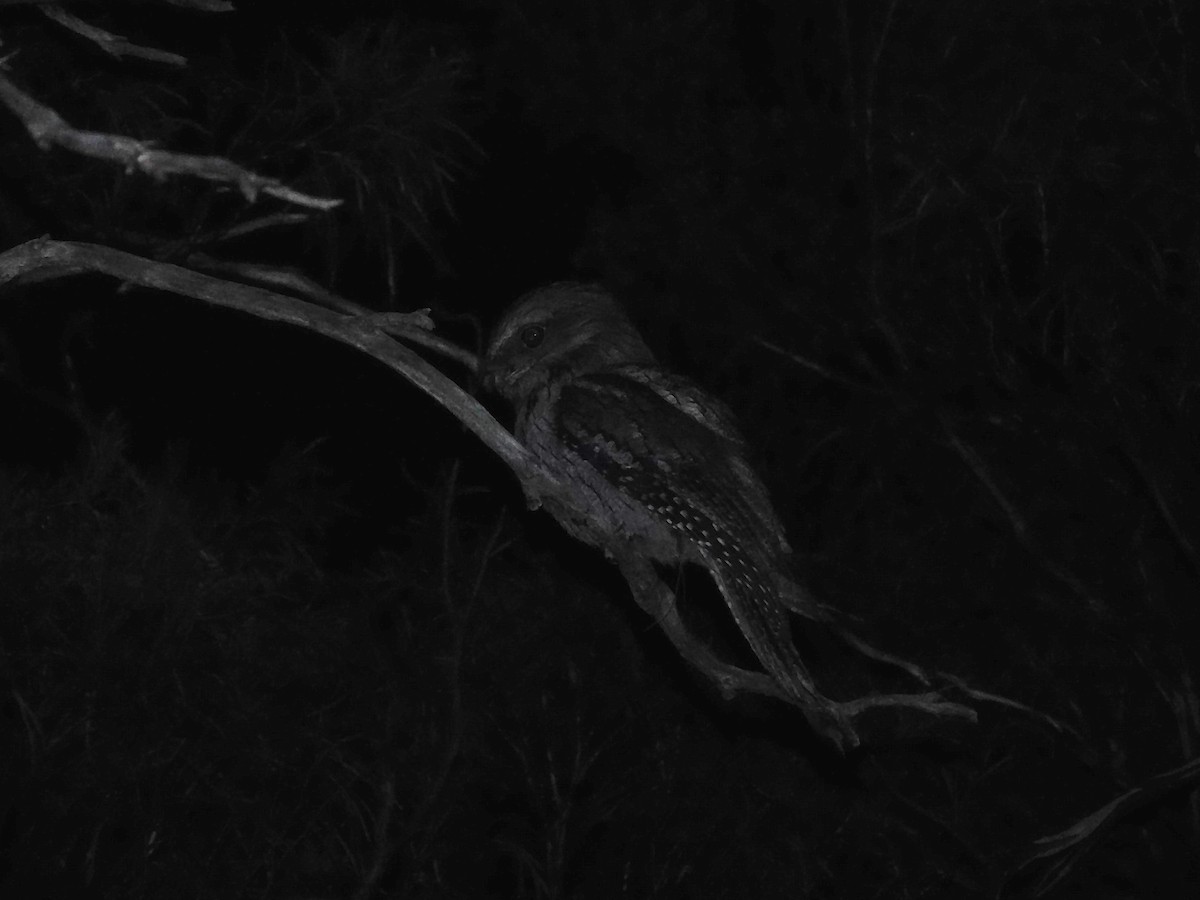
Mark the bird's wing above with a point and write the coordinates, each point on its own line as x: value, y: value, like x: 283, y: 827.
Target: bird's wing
x: 684, y: 396
x: 647, y: 448
x: 688, y: 397
x: 685, y: 475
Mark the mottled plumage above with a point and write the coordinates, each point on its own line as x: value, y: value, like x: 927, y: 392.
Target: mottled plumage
x: 657, y: 466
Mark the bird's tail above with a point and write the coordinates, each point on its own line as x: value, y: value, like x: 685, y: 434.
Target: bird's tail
x: 760, y: 599
x: 760, y: 612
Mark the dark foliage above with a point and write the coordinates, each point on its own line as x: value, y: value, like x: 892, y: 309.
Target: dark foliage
x: 943, y: 260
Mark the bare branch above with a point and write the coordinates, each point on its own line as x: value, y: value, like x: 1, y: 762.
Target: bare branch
x: 284, y: 278
x: 44, y: 259
x: 48, y: 129
x: 262, y: 223
x: 831, y: 718
x: 115, y: 45
x: 414, y: 327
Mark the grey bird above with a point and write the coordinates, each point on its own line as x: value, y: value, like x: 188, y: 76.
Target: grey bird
x: 655, y: 465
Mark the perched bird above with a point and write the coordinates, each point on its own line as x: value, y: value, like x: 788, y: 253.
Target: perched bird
x: 655, y: 466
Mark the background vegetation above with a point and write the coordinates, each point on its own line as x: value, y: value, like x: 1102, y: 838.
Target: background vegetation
x: 272, y: 626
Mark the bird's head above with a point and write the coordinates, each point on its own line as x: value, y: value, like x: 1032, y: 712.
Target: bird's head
x: 564, y: 327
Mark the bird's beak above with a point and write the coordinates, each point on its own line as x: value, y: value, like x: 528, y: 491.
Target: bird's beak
x: 490, y: 375
x: 501, y: 377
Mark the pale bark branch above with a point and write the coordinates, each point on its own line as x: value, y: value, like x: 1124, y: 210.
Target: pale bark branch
x: 831, y: 718
x: 44, y: 259
x: 49, y: 129
x: 115, y: 45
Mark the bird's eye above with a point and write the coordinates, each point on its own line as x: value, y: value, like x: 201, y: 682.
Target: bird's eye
x: 533, y: 335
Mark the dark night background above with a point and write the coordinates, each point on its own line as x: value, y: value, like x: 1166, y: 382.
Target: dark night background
x: 273, y: 625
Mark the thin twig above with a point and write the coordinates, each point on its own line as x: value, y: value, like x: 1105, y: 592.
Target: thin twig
x: 49, y: 129
x: 115, y: 45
